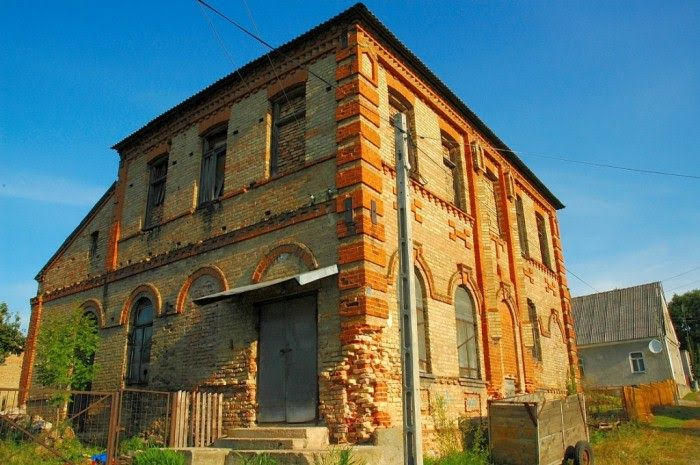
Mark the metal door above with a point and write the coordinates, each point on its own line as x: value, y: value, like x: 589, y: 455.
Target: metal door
x: 287, y: 373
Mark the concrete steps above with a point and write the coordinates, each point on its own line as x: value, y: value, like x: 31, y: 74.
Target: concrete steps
x: 275, y: 438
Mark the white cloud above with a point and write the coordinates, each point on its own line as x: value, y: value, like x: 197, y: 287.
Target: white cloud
x: 49, y: 189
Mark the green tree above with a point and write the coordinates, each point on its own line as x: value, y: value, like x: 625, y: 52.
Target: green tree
x: 685, y: 313
x: 64, y: 352
x: 11, y: 338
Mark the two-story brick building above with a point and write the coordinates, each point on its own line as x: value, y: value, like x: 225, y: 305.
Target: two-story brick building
x: 269, y: 198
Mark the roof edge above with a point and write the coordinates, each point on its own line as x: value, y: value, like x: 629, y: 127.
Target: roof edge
x: 357, y: 12
x: 69, y: 240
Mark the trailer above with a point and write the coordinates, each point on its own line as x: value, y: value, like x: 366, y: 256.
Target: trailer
x: 531, y: 430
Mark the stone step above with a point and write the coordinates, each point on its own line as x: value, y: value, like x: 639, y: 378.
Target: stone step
x: 204, y: 455
x: 262, y: 443
x: 316, y: 437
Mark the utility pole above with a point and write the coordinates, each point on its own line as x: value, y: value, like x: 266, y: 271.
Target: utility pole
x: 412, y: 433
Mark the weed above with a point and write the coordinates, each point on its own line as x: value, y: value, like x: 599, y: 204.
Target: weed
x: 342, y: 456
x: 155, y: 456
x: 262, y: 459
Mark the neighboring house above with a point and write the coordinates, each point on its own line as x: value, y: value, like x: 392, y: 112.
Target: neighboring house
x: 249, y: 246
x: 626, y: 337
x: 10, y: 371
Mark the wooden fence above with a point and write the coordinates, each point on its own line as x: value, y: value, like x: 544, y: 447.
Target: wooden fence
x: 196, y: 419
x: 640, y: 400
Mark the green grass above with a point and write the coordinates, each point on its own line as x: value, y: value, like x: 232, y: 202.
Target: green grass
x: 669, y: 439
x: 155, y: 456
x: 29, y: 453
x: 693, y: 396
x: 459, y: 458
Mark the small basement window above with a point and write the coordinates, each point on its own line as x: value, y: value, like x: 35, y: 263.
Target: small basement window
x: 637, y: 362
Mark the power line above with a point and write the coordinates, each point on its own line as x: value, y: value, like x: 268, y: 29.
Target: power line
x: 683, y: 285
x: 579, y: 278
x: 681, y: 274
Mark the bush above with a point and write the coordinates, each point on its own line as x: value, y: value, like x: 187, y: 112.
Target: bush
x: 134, y: 444
x: 338, y: 457
x: 158, y: 457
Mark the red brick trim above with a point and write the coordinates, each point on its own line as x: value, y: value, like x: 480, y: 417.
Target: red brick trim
x: 94, y: 303
x: 297, y: 249
x: 213, y: 120
x: 293, y: 79
x: 273, y: 223
x: 465, y: 276
x: 147, y: 290
x: 210, y: 270
x: 421, y: 263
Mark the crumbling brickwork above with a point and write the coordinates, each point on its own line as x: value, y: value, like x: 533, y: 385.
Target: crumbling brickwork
x: 327, y: 199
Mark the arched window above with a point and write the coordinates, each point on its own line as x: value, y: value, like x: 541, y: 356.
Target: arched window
x: 140, y: 341
x: 421, y: 321
x: 467, y: 334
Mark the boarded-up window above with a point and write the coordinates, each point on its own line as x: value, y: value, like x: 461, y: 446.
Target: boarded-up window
x: 156, y: 191
x: 467, y: 347
x: 534, y: 322
x: 522, y: 227
x: 421, y: 320
x: 544, y: 241
x: 398, y: 104
x: 211, y: 185
x: 451, y: 155
x: 288, y: 131
x: 140, y: 342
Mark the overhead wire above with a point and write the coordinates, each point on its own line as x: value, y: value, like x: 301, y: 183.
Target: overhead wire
x: 680, y: 274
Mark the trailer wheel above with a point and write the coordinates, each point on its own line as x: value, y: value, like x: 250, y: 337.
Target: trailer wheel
x: 583, y: 454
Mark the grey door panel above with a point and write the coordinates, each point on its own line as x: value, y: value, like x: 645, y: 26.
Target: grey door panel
x: 287, y: 373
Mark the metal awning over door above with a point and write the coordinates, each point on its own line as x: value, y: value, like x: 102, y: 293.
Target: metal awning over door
x: 301, y: 280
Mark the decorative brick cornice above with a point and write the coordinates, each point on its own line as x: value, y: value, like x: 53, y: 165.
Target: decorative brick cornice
x: 430, y: 196
x: 274, y: 223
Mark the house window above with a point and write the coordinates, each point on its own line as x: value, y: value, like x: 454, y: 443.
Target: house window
x: 637, y: 362
x: 534, y: 322
x: 156, y: 191
x: 451, y: 160
x: 288, y: 130
x: 494, y: 203
x: 421, y: 321
x: 398, y: 104
x: 211, y: 185
x: 522, y: 228
x: 467, y: 348
x: 94, y: 240
x: 544, y: 241
x: 140, y: 342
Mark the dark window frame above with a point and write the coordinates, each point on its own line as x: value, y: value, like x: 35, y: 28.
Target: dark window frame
x: 399, y: 102
x: 536, y: 337
x: 637, y: 362
x: 472, y: 368
x: 421, y: 301
x: 284, y: 97
x: 544, y: 241
x: 452, y: 162
x: 156, y: 188
x: 140, y: 337
x: 522, y: 227
x: 94, y: 243
x: 213, y: 169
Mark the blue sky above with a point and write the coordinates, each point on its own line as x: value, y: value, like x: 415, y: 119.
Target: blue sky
x: 610, y: 82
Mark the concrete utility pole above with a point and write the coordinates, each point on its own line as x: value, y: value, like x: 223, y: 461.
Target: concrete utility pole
x: 412, y: 433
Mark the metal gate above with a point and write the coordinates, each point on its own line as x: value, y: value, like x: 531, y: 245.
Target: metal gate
x: 287, y: 376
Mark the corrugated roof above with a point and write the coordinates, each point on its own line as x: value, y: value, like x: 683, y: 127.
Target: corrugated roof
x: 619, y: 315
x: 357, y: 12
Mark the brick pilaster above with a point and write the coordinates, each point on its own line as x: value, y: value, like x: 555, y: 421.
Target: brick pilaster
x: 565, y: 295
x: 25, y: 381
x: 362, y: 257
